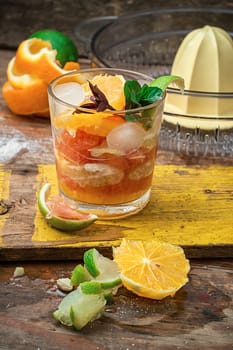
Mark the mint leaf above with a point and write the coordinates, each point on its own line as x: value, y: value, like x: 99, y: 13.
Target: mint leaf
x: 137, y: 96
x: 131, y: 90
x: 149, y: 95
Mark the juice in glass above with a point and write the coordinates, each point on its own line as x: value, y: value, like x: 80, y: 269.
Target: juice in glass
x: 104, y: 153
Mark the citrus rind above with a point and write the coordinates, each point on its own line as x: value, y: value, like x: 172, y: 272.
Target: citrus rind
x: 145, y: 292
x: 91, y: 287
x: 89, y: 308
x: 62, y: 224
x: 79, y: 275
x: 65, y: 47
x: 90, y: 258
x: 77, y: 309
x: 102, y: 269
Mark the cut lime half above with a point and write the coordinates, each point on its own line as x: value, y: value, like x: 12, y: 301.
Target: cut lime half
x: 103, y: 269
x: 58, y: 222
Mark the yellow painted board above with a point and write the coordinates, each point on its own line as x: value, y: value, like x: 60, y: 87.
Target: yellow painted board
x: 190, y: 206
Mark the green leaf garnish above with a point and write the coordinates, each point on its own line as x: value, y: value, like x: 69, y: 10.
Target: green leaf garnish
x: 137, y: 96
x: 149, y: 95
x: 131, y: 90
x: 165, y: 80
x: 140, y: 96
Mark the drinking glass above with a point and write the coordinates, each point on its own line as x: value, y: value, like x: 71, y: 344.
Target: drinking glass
x: 104, y: 160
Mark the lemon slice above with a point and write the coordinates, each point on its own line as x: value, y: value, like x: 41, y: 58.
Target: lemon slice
x: 78, y: 308
x: 102, y: 269
x: 165, y: 80
x: 63, y: 224
x: 151, y: 269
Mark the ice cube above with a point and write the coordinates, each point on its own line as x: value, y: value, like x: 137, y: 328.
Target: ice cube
x: 142, y: 171
x: 126, y: 137
x: 72, y: 93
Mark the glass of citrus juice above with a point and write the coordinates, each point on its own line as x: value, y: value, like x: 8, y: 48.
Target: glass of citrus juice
x: 105, y: 130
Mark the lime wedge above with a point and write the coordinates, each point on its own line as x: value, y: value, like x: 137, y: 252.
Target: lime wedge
x: 165, y: 80
x: 102, y: 269
x: 90, y: 307
x: 58, y: 222
x: 90, y: 258
x: 62, y: 314
x: 77, y: 309
x: 91, y: 287
x: 79, y: 275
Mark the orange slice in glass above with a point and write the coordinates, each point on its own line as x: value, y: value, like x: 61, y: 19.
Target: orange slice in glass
x: 99, y: 123
x: 113, y: 88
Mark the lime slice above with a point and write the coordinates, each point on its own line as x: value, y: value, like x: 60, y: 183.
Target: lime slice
x: 79, y: 275
x: 165, y: 80
x: 66, y: 49
x: 102, y: 269
x: 77, y: 309
x: 59, y: 222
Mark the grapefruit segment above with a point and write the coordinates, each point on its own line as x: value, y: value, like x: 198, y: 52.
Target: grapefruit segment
x: 59, y: 214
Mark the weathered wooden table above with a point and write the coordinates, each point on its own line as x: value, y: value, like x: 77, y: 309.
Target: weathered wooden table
x: 191, y: 206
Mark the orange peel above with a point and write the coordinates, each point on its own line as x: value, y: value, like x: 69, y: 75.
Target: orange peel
x: 35, y: 57
x: 19, y: 100
x: 29, y: 72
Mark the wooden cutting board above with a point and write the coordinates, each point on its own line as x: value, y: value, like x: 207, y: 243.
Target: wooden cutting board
x: 190, y: 206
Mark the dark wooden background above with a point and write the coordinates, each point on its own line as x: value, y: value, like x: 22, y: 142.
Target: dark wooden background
x: 20, y: 18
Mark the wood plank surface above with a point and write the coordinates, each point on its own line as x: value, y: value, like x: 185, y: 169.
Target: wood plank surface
x: 190, y: 206
x: 199, y: 316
